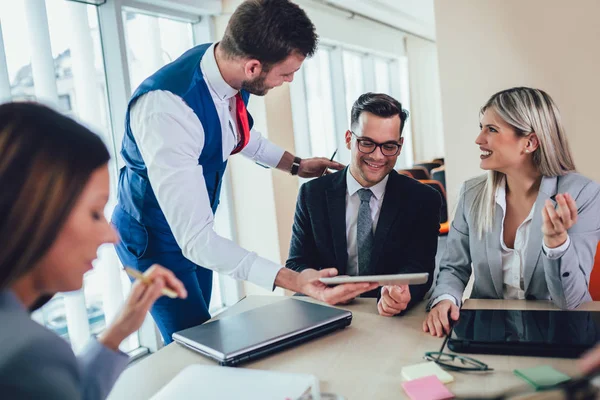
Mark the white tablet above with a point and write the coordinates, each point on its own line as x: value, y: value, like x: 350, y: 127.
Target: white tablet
x: 398, y: 279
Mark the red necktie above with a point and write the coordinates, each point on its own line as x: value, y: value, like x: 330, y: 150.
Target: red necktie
x: 242, y: 122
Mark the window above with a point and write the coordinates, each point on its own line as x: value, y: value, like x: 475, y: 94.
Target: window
x: 327, y: 87
x: 353, y: 78
x: 318, y: 99
x: 67, y: 72
x: 153, y: 42
x: 382, y: 76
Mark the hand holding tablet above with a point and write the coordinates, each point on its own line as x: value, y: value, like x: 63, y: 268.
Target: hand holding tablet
x: 396, y: 279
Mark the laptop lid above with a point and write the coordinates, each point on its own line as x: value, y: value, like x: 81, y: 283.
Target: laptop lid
x: 231, y: 338
x: 526, y: 332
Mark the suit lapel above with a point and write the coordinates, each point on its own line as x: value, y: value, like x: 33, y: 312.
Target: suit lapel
x: 336, y: 206
x: 394, y: 206
x: 548, y: 189
x: 494, y: 252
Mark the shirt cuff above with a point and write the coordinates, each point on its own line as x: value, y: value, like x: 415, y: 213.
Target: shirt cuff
x: 443, y: 297
x: 556, y: 252
x: 263, y: 273
x: 271, y: 154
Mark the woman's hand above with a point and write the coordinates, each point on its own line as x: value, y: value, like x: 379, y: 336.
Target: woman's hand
x: 440, y: 318
x: 558, y: 221
x: 141, y: 298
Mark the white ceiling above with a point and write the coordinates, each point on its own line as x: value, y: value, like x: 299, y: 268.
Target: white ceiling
x: 413, y: 16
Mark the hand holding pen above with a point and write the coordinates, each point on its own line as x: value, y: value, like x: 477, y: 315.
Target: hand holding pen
x: 148, y: 287
x: 325, y: 171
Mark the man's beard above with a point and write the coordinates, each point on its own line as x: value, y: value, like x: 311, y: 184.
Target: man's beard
x: 257, y: 86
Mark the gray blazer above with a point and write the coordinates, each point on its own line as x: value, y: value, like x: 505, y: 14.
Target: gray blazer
x: 37, y: 364
x: 564, y: 280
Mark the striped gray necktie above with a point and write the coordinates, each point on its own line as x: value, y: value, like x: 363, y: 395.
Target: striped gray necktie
x: 364, y: 230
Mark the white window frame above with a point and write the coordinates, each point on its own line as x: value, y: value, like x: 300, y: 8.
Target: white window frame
x: 116, y: 68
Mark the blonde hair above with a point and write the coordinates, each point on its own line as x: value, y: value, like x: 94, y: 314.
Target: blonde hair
x: 528, y: 111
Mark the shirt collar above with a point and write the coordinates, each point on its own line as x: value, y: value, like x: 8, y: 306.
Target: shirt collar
x: 352, y: 186
x: 213, y: 76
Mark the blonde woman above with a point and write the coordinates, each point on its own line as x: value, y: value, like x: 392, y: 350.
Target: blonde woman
x: 527, y: 230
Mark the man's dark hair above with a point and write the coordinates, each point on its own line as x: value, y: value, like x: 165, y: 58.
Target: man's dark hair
x: 269, y: 31
x: 378, y: 104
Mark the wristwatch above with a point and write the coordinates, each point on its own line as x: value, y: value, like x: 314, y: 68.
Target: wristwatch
x: 295, y: 166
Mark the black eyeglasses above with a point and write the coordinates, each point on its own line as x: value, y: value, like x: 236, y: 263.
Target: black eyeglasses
x: 367, y: 146
x: 454, y: 362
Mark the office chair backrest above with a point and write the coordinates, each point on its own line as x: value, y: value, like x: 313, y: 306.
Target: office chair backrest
x: 419, y: 173
x: 439, y: 174
x: 428, y: 165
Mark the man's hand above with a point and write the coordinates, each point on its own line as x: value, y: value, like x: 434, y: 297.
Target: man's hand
x: 309, y: 284
x: 315, y: 167
x: 437, y: 322
x: 394, y: 299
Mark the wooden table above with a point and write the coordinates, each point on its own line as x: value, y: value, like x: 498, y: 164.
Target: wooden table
x: 360, y: 362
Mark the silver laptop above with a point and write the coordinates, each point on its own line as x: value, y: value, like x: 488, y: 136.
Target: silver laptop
x: 262, y: 331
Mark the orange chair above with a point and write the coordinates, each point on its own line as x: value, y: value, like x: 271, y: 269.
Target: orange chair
x: 595, y: 277
x: 444, y: 224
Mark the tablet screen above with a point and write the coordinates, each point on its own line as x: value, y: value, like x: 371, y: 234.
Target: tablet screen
x: 477, y: 330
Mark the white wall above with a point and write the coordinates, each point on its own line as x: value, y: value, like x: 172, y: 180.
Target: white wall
x: 487, y: 46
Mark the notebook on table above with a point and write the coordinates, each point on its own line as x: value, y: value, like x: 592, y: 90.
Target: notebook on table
x: 262, y: 331
x: 215, y: 383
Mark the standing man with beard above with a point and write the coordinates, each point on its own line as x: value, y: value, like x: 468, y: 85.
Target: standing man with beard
x: 368, y: 219
x: 182, y: 125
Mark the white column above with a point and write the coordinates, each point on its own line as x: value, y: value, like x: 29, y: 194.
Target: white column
x: 5, y: 94
x: 42, y: 62
x: 84, y: 73
x: 112, y: 31
x: 77, y: 320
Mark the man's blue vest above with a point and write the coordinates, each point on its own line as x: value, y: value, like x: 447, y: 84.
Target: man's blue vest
x: 183, y: 78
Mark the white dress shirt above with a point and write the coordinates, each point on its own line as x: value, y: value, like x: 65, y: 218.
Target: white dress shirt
x: 513, y: 259
x: 170, y: 138
x: 352, y: 205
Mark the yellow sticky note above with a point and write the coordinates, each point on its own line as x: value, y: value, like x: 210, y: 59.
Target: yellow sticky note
x: 429, y: 368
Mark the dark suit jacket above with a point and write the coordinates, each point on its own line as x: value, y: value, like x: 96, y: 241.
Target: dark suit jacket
x: 405, y: 239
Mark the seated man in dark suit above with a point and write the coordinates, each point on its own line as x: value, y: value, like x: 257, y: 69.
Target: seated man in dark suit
x: 368, y: 219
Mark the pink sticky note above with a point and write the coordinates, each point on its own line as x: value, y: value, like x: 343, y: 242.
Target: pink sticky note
x: 427, y: 388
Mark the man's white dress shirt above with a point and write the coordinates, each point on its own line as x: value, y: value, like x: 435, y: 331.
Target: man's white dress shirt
x: 352, y: 205
x: 170, y: 138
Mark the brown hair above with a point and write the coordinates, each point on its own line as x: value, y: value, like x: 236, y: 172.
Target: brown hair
x: 46, y: 160
x: 269, y: 31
